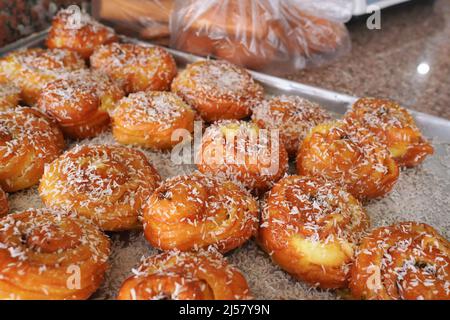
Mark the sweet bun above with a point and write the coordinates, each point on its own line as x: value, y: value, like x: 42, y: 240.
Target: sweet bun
x: 258, y: 35
x: 230, y: 31
x: 149, y: 119
x: 238, y: 53
x: 174, y: 275
x: 80, y: 102
x: 135, y: 67
x: 311, y: 227
x: 28, y: 141
x: 31, y: 69
x: 292, y: 115
x: 107, y: 184
x: 309, y: 35
x: 50, y: 255
x: 404, y: 261
x: 218, y: 90
x: 242, y: 152
x: 198, y: 211
x: 9, y: 96
x: 197, y: 44
x: 394, y: 126
x: 77, y: 31
x: 350, y: 155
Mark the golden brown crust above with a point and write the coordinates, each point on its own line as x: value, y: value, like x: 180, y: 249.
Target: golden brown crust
x: 46, y: 254
x: 198, y: 211
x: 9, y: 96
x: 242, y: 152
x: 405, y: 261
x: 292, y: 115
x: 149, y: 119
x: 3, y: 203
x: 238, y: 32
x: 28, y: 141
x: 350, y: 155
x: 218, y: 90
x: 309, y: 35
x: 136, y: 68
x: 311, y: 227
x: 201, y: 275
x: 32, y: 69
x: 78, y: 32
x: 394, y: 126
x: 80, y: 102
x: 107, y: 184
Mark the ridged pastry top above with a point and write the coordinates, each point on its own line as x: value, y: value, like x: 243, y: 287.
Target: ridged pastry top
x: 51, y: 62
x: 142, y: 108
x: 82, y: 91
x: 47, y: 238
x: 25, y: 128
x: 219, y: 79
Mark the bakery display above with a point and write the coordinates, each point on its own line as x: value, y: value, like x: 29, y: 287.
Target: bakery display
x: 404, y: 261
x: 80, y: 102
x: 31, y: 69
x: 28, y: 141
x: 241, y: 151
x: 311, y: 228
x: 50, y: 255
x: 174, y: 275
x: 292, y: 115
x: 198, y: 211
x: 9, y: 96
x: 79, y: 32
x: 293, y: 237
x: 107, y: 184
x: 218, y: 90
x: 135, y: 67
x: 394, y: 126
x: 150, y: 119
x: 350, y: 155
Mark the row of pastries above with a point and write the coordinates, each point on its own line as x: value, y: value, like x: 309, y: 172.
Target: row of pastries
x: 313, y: 224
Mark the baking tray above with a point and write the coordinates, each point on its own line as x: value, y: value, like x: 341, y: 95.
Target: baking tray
x: 421, y: 194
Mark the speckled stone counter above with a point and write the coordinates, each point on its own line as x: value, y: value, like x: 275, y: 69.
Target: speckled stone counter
x: 392, y: 62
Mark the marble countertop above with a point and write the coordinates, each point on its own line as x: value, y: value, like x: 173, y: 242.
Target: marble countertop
x: 407, y: 60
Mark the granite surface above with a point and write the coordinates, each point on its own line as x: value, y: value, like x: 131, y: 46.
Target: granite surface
x: 385, y: 62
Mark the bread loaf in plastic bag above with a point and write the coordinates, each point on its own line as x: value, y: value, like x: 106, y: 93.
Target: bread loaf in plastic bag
x: 274, y: 36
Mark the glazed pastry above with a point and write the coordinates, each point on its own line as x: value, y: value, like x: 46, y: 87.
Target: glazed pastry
x: 107, y: 184
x: 174, y: 275
x: 350, y: 155
x: 78, y: 31
x: 136, y: 68
x: 198, y: 211
x: 243, y: 152
x: 149, y: 119
x: 28, y: 141
x: 292, y: 115
x: 218, y: 90
x: 80, y: 102
x: 49, y: 255
x: 3, y: 203
x: 32, y: 69
x: 405, y: 261
x: 9, y: 96
x: 311, y: 227
x: 394, y: 126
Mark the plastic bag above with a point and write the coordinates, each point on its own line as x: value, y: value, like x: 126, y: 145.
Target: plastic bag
x: 274, y: 36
